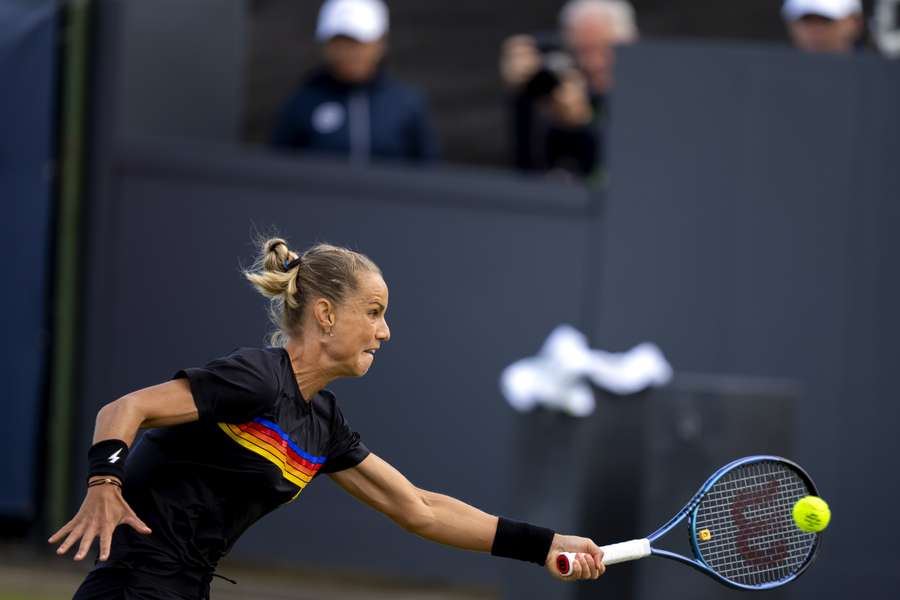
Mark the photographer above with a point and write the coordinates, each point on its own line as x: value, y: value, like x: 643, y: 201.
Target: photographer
x: 559, y: 89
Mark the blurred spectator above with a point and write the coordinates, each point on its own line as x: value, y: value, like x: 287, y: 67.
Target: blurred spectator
x: 834, y: 26
x: 350, y: 106
x: 559, y: 86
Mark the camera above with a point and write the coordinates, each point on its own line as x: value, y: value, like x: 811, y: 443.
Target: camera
x: 555, y: 62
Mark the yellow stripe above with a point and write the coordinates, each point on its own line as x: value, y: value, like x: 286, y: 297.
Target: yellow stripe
x: 286, y: 472
x: 274, y: 453
x: 267, y: 455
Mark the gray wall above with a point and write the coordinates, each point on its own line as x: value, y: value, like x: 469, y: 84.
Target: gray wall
x: 169, y: 68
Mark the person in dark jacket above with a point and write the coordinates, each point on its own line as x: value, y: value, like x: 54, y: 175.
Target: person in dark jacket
x: 351, y: 107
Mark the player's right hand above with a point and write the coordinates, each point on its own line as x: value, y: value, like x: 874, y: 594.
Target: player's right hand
x: 588, y: 563
x: 102, y: 511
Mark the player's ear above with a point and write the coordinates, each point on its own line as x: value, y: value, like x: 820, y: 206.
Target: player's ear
x: 323, y: 311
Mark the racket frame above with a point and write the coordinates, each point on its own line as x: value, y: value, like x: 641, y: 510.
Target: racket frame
x: 690, y: 511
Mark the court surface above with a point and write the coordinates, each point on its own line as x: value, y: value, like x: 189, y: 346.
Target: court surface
x: 27, y: 577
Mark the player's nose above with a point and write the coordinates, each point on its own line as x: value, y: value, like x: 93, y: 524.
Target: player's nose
x: 383, y: 333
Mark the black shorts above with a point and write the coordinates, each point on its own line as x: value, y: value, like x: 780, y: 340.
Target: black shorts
x: 110, y: 583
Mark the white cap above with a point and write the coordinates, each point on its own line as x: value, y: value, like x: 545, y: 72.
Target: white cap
x: 833, y: 9
x: 362, y: 20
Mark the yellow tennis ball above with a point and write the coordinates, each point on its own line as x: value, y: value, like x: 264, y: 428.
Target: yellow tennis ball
x: 811, y: 514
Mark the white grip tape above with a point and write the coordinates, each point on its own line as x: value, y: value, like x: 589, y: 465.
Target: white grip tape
x: 625, y: 551
x: 612, y: 554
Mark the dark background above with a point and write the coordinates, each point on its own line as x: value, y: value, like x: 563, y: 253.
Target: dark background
x: 749, y: 237
x: 28, y: 38
x: 748, y: 230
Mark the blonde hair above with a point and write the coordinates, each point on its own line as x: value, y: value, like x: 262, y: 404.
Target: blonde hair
x: 322, y: 270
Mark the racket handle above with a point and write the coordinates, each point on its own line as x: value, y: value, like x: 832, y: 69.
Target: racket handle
x: 612, y: 554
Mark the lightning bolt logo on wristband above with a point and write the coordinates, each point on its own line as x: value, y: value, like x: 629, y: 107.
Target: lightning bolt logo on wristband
x: 108, y: 457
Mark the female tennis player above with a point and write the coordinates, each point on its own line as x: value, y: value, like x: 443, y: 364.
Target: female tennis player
x: 245, y: 434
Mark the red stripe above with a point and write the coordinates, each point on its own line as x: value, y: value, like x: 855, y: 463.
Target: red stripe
x: 262, y: 432
x: 264, y: 441
x: 271, y: 453
x: 277, y: 444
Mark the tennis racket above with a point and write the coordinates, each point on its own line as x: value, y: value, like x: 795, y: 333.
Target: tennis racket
x: 740, y: 527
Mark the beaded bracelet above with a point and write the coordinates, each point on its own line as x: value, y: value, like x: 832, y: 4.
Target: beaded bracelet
x: 104, y: 481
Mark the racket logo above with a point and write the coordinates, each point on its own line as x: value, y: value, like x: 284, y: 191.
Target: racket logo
x: 750, y: 530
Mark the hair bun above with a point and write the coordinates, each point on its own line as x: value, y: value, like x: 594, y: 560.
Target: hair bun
x: 272, y: 244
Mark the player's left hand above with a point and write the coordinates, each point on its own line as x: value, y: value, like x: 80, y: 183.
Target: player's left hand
x: 588, y: 563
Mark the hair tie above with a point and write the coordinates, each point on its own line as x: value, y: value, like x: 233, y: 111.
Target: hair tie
x: 290, y: 264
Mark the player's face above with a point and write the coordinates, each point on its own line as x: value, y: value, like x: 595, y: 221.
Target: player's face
x: 360, y: 327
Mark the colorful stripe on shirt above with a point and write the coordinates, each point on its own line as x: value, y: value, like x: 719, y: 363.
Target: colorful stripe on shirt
x: 266, y: 439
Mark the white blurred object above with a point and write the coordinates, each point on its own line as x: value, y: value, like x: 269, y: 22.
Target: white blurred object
x: 885, y: 27
x: 558, y: 376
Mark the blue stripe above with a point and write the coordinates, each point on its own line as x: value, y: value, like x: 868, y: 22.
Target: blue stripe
x: 313, y: 459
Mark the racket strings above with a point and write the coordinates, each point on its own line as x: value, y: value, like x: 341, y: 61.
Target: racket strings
x: 752, y: 538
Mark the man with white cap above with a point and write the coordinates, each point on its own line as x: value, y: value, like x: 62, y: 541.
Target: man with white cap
x: 351, y: 107
x: 832, y: 26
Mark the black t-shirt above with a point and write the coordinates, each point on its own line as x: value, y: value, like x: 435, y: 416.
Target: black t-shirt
x: 256, y: 445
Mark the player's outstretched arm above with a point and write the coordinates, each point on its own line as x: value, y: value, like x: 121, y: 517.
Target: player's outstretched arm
x: 446, y: 520
x: 104, y: 508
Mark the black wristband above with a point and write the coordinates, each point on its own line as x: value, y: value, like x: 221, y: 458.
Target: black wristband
x: 107, y: 458
x: 522, y: 541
